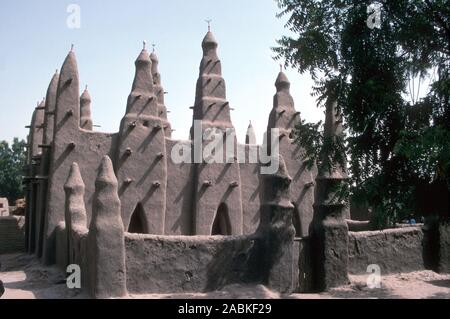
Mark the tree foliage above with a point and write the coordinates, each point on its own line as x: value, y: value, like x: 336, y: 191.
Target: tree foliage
x: 397, y: 141
x: 12, y: 161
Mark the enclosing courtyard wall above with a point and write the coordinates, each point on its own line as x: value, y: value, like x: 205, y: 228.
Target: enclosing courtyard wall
x: 393, y: 250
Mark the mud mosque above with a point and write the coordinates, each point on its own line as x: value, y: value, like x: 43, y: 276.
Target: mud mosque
x: 158, y: 196
x: 136, y: 221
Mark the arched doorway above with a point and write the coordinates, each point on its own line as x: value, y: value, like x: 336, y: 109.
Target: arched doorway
x: 138, y: 222
x: 222, y: 224
x: 296, y: 221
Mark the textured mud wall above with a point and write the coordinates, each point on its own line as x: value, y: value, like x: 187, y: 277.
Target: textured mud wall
x: 179, y: 218
x: 44, y: 169
x: 394, y: 250
x: 161, y: 264
x: 251, y: 190
x: 12, y: 234
x: 302, y: 189
x: 70, y: 144
x: 217, y: 182
x: 90, y: 147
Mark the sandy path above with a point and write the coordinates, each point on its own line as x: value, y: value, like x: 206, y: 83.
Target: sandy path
x: 25, y: 278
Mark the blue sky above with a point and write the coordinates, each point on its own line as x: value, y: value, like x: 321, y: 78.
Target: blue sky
x: 35, y: 39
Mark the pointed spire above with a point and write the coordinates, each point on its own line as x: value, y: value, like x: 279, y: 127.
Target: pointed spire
x: 41, y: 104
x: 282, y: 82
x: 106, y: 246
x: 36, y: 128
x: 106, y: 179
x: 75, y: 207
x: 329, y: 230
x: 250, y: 137
x: 155, y: 60
x: 143, y: 58
x: 68, y: 99
x: 50, y: 103
x: 39, y: 121
x: 85, y: 97
x: 142, y: 100
x: 159, y: 92
x: 143, y: 79
x: 211, y: 105
x: 210, y: 98
x: 333, y: 130
x: 209, y: 42
x: 70, y: 67
x: 283, y: 114
x: 155, y: 71
x: 85, y: 110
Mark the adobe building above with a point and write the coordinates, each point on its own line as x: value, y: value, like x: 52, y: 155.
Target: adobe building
x: 158, y: 196
x: 141, y: 212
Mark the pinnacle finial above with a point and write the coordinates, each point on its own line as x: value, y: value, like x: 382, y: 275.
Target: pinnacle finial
x: 153, y: 47
x: 86, y: 87
x: 282, y: 81
x: 281, y: 67
x: 209, y: 24
x: 71, y: 47
x: 144, y: 44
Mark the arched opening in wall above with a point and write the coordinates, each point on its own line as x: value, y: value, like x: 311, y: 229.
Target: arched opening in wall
x: 138, y: 224
x: 296, y: 221
x: 222, y: 224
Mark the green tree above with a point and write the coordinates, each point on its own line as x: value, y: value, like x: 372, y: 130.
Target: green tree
x: 398, y: 142
x: 12, y: 162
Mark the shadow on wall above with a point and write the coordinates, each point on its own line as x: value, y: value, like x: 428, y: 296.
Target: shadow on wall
x: 266, y: 257
x: 229, y: 264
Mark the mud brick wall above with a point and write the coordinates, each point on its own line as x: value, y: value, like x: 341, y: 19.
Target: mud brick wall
x: 180, y: 264
x: 394, y: 250
x: 12, y: 234
x: 168, y: 264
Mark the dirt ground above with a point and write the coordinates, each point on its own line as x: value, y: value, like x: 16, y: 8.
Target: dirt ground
x: 25, y: 278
